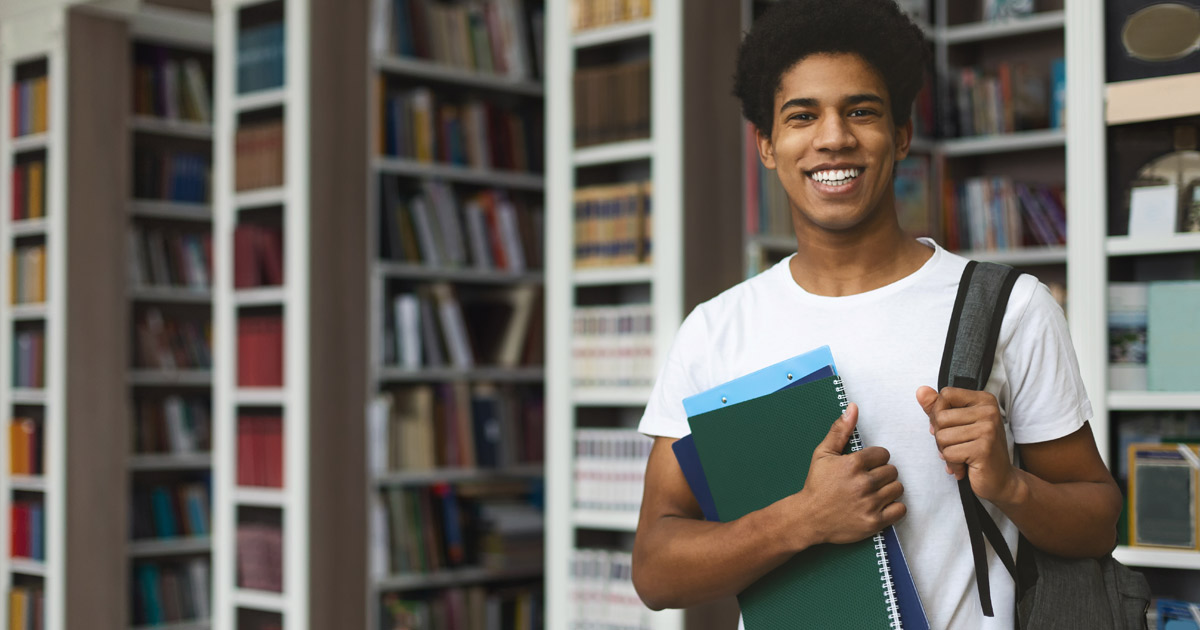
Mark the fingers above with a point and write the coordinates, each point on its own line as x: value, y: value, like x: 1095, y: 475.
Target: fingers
x: 956, y: 397
x: 872, y: 457
x: 893, y: 513
x: 929, y: 400
x: 883, y: 476
x: 839, y: 434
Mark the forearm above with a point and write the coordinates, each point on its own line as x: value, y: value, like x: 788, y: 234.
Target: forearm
x: 1071, y: 519
x: 680, y: 561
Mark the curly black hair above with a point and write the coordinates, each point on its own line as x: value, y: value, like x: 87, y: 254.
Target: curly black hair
x: 876, y: 30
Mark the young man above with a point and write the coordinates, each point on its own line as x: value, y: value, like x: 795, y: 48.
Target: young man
x: 828, y: 85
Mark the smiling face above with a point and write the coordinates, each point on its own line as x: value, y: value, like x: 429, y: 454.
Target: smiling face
x: 834, y: 144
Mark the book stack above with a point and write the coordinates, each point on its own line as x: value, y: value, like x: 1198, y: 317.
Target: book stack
x: 587, y: 14
x: 612, y: 225
x: 165, y: 174
x: 171, y: 511
x: 26, y: 608
x: 490, y: 36
x: 257, y: 256
x: 28, y: 529
x: 612, y: 103
x: 603, y: 595
x: 260, y: 351
x: 172, y: 342
x: 25, y: 447
x: 260, y: 57
x: 260, y: 451
x: 29, y: 189
x: 167, y: 257
x: 990, y: 213
x: 171, y: 592
x: 259, y: 162
x: 29, y: 358
x: 260, y: 557
x: 613, y: 346
x: 417, y: 124
x: 486, y: 524
x: 170, y: 87
x: 30, y: 105
x: 1003, y: 99
x: 174, y: 424
x: 457, y: 425
x: 488, y: 230
x: 610, y: 469
x: 28, y: 274
x: 510, y: 607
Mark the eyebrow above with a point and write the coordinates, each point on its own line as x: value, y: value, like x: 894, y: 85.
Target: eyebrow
x: 853, y: 99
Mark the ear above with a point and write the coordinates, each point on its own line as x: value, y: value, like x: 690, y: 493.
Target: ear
x: 766, y: 150
x: 904, y: 136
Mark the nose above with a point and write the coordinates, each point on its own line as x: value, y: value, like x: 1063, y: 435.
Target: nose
x: 834, y: 134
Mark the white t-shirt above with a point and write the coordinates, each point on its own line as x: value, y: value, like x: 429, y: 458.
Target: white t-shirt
x: 887, y: 343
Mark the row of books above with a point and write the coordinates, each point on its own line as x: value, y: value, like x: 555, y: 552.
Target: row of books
x: 417, y: 124
x: 1164, y: 499
x: 990, y: 213
x: 1149, y: 427
x: 28, y: 274
x: 26, y: 608
x: 612, y: 103
x: 260, y: 351
x: 173, y: 424
x: 469, y: 608
x: 260, y: 557
x: 602, y: 595
x: 610, y: 469
x: 172, y: 341
x: 587, y: 14
x: 426, y: 427
x: 490, y: 36
x: 29, y: 358
x: 168, y: 87
x: 488, y: 230
x: 164, y: 174
x: 171, y: 591
x: 25, y: 447
x: 28, y: 529
x: 260, y: 155
x: 613, y: 225
x: 171, y: 511
x: 1005, y: 99
x: 29, y: 189
x: 260, y: 57
x: 169, y: 257
x: 260, y: 451
x: 613, y: 346
x: 30, y: 106
x: 435, y: 326
x: 493, y: 525
x: 1153, y: 344
x: 257, y: 256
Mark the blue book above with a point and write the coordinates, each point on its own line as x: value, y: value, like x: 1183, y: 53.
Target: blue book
x: 1172, y: 343
x: 164, y: 517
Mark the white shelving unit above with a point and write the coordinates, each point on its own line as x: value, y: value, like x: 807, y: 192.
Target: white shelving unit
x: 687, y: 191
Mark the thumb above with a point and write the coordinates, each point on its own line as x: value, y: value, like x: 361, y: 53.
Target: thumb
x: 839, y: 434
x: 927, y: 397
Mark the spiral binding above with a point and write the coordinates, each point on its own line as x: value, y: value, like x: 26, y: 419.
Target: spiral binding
x: 881, y: 557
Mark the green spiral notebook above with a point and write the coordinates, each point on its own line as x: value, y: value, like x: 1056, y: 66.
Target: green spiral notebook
x: 757, y: 452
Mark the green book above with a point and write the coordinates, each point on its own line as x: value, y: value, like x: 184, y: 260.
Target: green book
x: 757, y: 452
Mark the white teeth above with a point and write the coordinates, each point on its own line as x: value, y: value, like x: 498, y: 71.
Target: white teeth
x: 836, y: 176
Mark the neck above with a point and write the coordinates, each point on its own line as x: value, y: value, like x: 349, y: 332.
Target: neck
x: 836, y: 264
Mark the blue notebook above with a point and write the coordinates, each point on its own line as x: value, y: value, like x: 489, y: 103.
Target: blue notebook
x: 805, y: 368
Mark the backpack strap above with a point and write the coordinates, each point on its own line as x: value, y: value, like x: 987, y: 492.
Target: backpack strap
x: 971, y: 339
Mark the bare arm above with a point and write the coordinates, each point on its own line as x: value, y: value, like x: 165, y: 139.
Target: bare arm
x: 680, y: 560
x: 1065, y: 502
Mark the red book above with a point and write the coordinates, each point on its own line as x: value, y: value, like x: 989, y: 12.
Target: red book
x: 245, y: 454
x: 273, y: 447
x: 270, y: 255
x: 245, y: 273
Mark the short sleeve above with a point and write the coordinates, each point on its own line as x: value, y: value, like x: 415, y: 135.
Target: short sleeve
x: 1045, y: 393
x: 683, y: 374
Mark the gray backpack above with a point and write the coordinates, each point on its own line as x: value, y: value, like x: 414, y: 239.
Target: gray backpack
x: 1052, y: 592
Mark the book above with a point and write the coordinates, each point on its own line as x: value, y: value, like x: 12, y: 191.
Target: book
x: 1172, y: 345
x: 747, y: 437
x: 1127, y: 335
x: 1164, y: 488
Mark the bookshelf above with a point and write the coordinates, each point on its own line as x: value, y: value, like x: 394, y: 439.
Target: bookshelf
x: 169, y: 223
x: 455, y: 232
x: 288, y: 310
x: 66, y: 328
x: 690, y: 259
